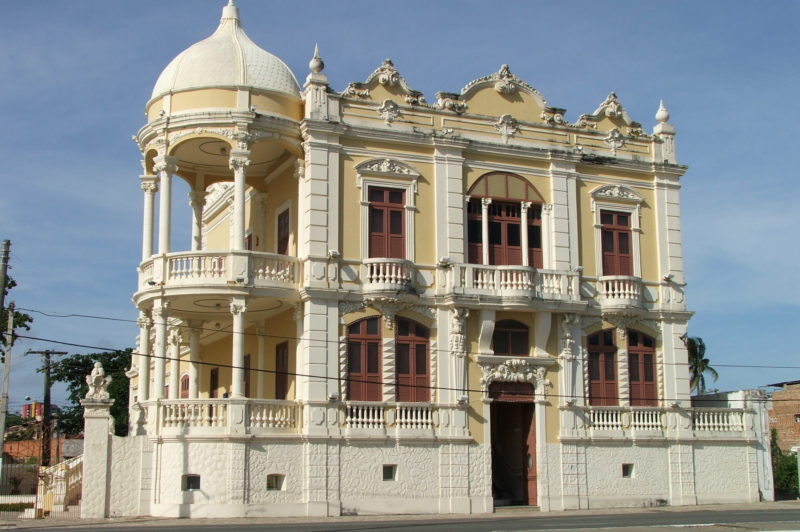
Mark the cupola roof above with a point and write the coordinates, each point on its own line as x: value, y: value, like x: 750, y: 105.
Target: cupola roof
x: 228, y: 58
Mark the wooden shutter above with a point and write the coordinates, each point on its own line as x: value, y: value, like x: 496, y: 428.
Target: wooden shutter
x: 641, y: 369
x: 616, y: 243
x: 603, y: 389
x: 412, y: 361
x: 364, y: 361
x: 387, y: 223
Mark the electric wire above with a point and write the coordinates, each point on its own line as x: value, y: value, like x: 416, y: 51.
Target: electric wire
x: 340, y: 379
x: 227, y: 330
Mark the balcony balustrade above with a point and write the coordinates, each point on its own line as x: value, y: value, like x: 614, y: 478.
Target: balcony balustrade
x: 619, y: 291
x: 513, y: 281
x: 387, y: 275
x: 204, y: 268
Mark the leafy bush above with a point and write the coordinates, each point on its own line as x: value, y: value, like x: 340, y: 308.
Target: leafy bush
x: 784, y: 470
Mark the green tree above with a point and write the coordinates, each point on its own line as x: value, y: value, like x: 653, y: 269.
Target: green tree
x: 699, y: 365
x: 21, y: 320
x: 72, y: 370
x: 784, y: 470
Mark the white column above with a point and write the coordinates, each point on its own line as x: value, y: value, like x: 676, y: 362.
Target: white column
x: 485, y: 202
x: 174, y: 363
x: 194, y: 358
x: 197, y: 200
x: 261, y: 331
x: 143, y: 360
x: 238, y: 163
x: 623, y: 375
x: 523, y: 227
x: 238, y: 309
x: 149, y: 187
x: 165, y: 166
x: 547, y: 241
x: 160, y: 314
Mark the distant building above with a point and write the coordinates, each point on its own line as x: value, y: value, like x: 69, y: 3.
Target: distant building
x: 34, y: 410
x: 785, y: 414
x: 395, y: 306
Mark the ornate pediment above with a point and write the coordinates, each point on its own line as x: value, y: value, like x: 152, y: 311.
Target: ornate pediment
x: 515, y: 370
x: 386, y: 76
x: 504, y: 82
x: 616, y: 118
x: 617, y: 193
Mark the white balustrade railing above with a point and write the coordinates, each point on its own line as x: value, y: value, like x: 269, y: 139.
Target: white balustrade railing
x: 195, y: 266
x: 514, y: 280
x: 274, y: 268
x: 396, y: 272
x: 620, y: 289
x: 647, y: 419
x: 364, y: 415
x: 608, y: 418
x: 63, y: 481
x: 414, y: 416
x: 274, y: 414
x: 717, y: 420
x: 146, y: 272
x: 184, y: 413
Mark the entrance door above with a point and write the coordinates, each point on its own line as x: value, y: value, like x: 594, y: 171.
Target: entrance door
x: 513, y: 444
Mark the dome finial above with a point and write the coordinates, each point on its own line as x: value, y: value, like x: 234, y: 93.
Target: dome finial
x: 316, y: 64
x: 230, y: 11
x: 662, y: 115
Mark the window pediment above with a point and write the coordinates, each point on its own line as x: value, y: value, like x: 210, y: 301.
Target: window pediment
x: 619, y: 193
x: 386, y: 167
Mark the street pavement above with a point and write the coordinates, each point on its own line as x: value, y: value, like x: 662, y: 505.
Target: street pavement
x: 776, y: 516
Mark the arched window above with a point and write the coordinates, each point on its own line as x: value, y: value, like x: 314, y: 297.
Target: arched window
x: 413, y: 361
x: 603, y: 369
x: 512, y: 221
x: 364, y: 360
x: 641, y: 368
x: 184, y: 387
x: 510, y: 338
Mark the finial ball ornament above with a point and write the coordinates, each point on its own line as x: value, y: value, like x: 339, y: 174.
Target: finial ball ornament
x: 316, y: 64
x: 662, y: 115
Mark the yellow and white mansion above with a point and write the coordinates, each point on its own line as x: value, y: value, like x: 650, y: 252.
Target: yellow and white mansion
x: 396, y: 305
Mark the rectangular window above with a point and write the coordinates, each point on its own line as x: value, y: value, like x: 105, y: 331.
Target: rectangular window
x: 627, y: 470
x: 389, y: 472
x: 283, y: 232
x: 190, y: 482
x: 213, y: 383
x: 282, y: 370
x: 641, y: 370
x: 615, y: 236
x: 386, y: 223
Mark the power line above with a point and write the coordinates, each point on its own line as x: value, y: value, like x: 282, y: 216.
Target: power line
x: 338, y: 342
x: 348, y: 379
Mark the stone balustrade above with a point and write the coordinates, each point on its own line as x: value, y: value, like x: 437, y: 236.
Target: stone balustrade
x: 620, y: 291
x: 386, y: 274
x: 513, y: 281
x: 220, y: 268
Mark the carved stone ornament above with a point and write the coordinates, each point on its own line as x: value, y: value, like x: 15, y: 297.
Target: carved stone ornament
x: 98, y: 383
x: 553, y: 117
x: 617, y: 192
x: 516, y: 370
x: 458, y: 337
x: 239, y: 162
x: 449, y: 101
x: 614, y: 140
x: 610, y: 107
x: 346, y: 307
x: 238, y: 308
x: 507, y: 126
x: 389, y: 111
x: 387, y: 306
x: 387, y: 74
x: 385, y: 166
x: 504, y: 82
x: 355, y: 90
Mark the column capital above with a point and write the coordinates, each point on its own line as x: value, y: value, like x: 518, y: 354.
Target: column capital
x: 161, y: 311
x: 197, y: 198
x: 148, y: 183
x: 525, y: 205
x: 485, y: 202
x: 144, y: 320
x: 238, y: 307
x: 174, y: 337
x: 165, y: 163
x: 239, y: 159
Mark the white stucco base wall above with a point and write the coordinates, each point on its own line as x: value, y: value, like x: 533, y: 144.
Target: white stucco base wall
x: 589, y: 474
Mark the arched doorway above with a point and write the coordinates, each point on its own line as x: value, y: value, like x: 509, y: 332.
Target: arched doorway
x: 513, y: 433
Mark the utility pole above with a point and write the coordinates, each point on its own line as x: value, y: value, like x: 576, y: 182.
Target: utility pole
x: 3, y: 270
x: 6, y: 372
x: 46, y: 428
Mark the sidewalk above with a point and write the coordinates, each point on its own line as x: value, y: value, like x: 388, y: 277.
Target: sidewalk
x: 514, y: 511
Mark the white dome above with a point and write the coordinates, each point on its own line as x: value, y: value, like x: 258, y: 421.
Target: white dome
x: 228, y: 58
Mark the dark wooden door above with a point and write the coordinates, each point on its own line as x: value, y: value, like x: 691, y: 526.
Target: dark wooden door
x: 281, y: 370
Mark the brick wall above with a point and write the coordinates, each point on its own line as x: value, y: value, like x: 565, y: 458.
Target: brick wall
x: 785, y: 406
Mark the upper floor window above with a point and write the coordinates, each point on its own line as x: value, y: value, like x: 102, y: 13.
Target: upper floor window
x: 386, y: 223
x: 504, y: 221
x: 510, y: 337
x: 602, y: 369
x: 283, y: 232
x: 412, y: 352
x: 641, y: 369
x: 615, y: 233
x: 213, y: 383
x: 364, y: 360
x: 184, y: 387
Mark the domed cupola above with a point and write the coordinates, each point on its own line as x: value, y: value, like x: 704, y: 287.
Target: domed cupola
x: 226, y: 70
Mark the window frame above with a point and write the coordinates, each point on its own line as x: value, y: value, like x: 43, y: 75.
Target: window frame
x: 646, y: 391
x: 281, y: 375
x: 500, y: 326
x: 604, y: 352
x: 409, y: 187
x: 412, y: 387
x: 623, y: 200
x: 284, y: 208
x: 369, y: 385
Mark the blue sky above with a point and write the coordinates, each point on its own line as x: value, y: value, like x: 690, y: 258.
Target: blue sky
x: 76, y: 75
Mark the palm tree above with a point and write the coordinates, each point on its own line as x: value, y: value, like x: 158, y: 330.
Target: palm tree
x: 698, y: 363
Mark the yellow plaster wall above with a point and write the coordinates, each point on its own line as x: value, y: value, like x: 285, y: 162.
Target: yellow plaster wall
x: 265, y: 103
x: 487, y: 101
x: 202, y: 99
x: 280, y: 191
x: 276, y: 104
